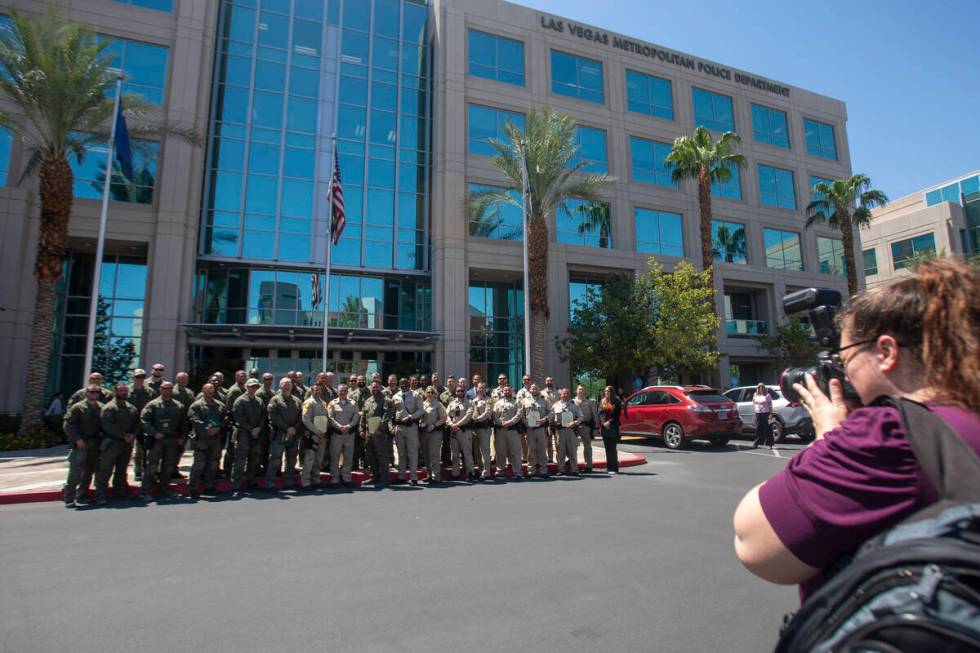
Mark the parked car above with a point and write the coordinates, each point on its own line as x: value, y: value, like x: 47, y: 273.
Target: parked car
x: 788, y: 417
x: 681, y: 413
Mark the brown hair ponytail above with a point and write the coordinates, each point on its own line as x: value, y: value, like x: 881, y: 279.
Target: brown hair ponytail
x: 935, y: 314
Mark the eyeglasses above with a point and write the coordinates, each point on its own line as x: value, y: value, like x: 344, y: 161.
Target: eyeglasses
x: 92, y: 392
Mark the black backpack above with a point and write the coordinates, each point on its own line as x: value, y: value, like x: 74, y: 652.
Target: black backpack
x: 915, y: 587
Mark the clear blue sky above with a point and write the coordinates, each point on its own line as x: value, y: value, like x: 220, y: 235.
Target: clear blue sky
x: 908, y: 70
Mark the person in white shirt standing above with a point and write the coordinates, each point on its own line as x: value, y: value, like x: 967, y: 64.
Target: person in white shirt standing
x: 762, y: 403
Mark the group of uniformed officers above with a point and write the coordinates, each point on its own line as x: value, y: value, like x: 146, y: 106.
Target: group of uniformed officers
x: 257, y: 425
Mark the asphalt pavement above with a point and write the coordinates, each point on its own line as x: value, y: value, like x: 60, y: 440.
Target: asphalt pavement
x: 641, y: 561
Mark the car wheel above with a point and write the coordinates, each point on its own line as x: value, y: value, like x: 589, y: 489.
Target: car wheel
x: 807, y: 435
x: 778, y: 430
x: 719, y: 441
x: 673, y: 435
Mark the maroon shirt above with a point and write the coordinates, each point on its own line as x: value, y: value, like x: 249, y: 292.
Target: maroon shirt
x: 856, y: 482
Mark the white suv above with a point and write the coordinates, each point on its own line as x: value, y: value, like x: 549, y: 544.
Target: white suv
x: 788, y: 416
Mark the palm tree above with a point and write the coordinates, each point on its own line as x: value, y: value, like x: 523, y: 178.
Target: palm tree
x: 546, y: 147
x: 59, y: 77
x: 485, y: 220
x: 595, y: 217
x: 834, y: 204
x: 700, y: 157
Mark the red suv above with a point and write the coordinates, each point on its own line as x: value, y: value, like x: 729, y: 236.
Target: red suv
x: 678, y: 413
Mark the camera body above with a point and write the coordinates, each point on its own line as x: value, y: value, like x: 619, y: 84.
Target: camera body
x: 821, y: 306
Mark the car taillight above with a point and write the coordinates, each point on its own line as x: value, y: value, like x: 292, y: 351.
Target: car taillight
x: 794, y: 404
x: 700, y: 408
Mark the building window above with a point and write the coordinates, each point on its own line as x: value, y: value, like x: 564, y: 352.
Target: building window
x: 487, y: 123
x: 496, y: 57
x: 496, y: 329
x: 783, y: 249
x: 830, y: 255
x: 728, y: 242
x: 906, y: 252
x: 740, y: 316
x: 6, y: 137
x: 952, y: 192
x: 119, y: 321
x: 870, y: 262
x: 649, y: 95
x: 576, y: 77
x: 144, y: 67
x: 776, y: 187
x: 284, y: 298
x: 769, y: 126
x: 498, y: 221
x: 659, y: 232
x: 820, y: 139
x: 577, y: 291
x: 713, y: 110
x: 649, y: 162
x: 90, y: 173
x: 159, y: 5
x: 591, y: 144
x: 584, y: 223
x: 731, y: 188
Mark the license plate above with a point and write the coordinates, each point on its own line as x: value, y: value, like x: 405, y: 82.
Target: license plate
x: 722, y: 412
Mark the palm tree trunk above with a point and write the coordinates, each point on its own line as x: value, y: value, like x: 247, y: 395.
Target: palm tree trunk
x: 847, y: 233
x: 704, y: 204
x: 537, y: 253
x: 56, y: 194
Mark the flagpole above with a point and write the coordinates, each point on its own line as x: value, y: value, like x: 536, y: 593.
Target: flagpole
x: 93, y: 306
x: 326, y: 280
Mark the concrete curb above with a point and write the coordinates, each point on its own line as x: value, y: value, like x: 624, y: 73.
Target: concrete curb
x: 221, y: 487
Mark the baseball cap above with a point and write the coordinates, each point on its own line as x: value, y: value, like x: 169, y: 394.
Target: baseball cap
x: 252, y: 383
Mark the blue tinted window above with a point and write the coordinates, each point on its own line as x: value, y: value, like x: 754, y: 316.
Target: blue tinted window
x: 728, y: 241
x: 769, y: 126
x: 659, y: 232
x: 648, y: 161
x: 783, y: 249
x: 143, y: 65
x: 90, y: 174
x: 830, y: 255
x: 970, y: 185
x: 159, y: 5
x: 776, y: 187
x: 496, y: 328
x: 487, y: 122
x: 905, y: 252
x: 576, y: 77
x: 820, y: 139
x: 496, y: 57
x: 501, y: 222
x: 713, y: 110
x: 650, y: 95
x: 951, y: 193
x: 870, y: 262
x: 731, y: 187
x: 934, y: 197
x: 584, y: 223
x: 5, y: 139
x: 591, y: 145
x: 577, y: 292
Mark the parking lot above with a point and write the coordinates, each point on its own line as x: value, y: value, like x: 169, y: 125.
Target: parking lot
x: 639, y: 561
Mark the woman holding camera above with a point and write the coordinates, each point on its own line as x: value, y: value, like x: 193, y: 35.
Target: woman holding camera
x: 916, y: 337
x: 762, y: 403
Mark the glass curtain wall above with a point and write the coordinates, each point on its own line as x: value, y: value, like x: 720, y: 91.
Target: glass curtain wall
x: 496, y: 328
x: 281, y: 67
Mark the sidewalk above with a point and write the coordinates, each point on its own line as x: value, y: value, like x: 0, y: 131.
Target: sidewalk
x: 37, y: 475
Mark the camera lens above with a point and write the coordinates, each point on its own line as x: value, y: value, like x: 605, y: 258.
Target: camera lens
x: 794, y: 375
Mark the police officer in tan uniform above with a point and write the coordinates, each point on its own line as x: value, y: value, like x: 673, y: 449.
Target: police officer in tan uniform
x: 506, y: 415
x: 481, y: 419
x: 459, y: 422
x: 536, y: 413
x: 343, y: 416
x: 590, y: 419
x: 406, y: 412
x: 565, y: 417
x: 316, y: 419
x: 551, y: 396
x: 433, y: 420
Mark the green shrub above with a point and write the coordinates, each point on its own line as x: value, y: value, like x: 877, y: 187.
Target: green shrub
x: 37, y: 439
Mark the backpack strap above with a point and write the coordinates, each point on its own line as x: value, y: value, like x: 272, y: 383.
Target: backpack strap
x: 948, y: 461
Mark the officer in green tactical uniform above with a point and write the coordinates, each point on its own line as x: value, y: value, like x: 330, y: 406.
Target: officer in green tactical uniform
x: 248, y: 415
x: 376, y: 412
x: 140, y: 394
x: 236, y: 390
x: 163, y: 424
x: 83, y: 426
x: 286, y: 420
x: 93, y: 379
x: 265, y: 395
x: 206, y: 416
x: 185, y: 397
x: 120, y: 426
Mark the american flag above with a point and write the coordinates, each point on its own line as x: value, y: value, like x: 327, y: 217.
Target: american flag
x: 337, y: 221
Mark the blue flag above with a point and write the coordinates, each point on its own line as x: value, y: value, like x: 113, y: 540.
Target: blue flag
x: 123, y: 152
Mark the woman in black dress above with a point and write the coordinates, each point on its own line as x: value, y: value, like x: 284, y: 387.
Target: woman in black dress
x: 609, y: 409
